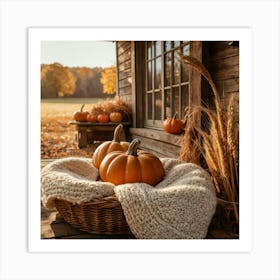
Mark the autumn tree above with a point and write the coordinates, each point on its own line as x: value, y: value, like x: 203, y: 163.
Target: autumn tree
x: 108, y: 80
x: 57, y: 80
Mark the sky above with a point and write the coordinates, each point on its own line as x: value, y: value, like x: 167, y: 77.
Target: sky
x: 79, y: 53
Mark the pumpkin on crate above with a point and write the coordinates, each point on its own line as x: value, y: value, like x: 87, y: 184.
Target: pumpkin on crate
x: 91, y: 118
x: 116, y: 117
x: 81, y: 116
x: 103, y: 118
x: 109, y: 146
x: 133, y: 166
x: 173, y: 125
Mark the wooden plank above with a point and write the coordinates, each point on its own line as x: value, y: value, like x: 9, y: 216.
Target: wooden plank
x: 226, y: 73
x: 195, y: 84
x: 124, y: 56
x: 123, y: 46
x: 224, y: 62
x: 125, y: 65
x: 219, y: 50
x: 98, y: 125
x: 158, y: 142
x: 228, y: 85
x: 159, y: 148
x: 138, y: 74
x: 157, y: 135
x: 126, y: 73
x: 125, y: 82
x: 125, y: 90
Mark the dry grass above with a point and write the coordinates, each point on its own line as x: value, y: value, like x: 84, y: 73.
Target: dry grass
x: 57, y: 136
x: 217, y: 144
x: 110, y: 105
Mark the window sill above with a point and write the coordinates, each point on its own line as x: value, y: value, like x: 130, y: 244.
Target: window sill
x: 157, y: 135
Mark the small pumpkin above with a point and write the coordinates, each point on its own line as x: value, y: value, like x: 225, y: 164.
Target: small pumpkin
x: 116, y: 117
x: 109, y: 146
x: 81, y: 116
x: 91, y: 118
x: 103, y: 118
x: 133, y: 166
x: 173, y: 125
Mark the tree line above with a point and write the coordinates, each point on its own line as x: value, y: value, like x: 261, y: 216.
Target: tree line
x: 81, y: 82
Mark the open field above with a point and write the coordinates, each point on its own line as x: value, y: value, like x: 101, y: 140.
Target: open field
x: 57, y: 136
x: 69, y: 100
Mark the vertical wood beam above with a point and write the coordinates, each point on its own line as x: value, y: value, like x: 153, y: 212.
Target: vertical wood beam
x: 117, y: 67
x: 138, y: 82
x: 195, y: 80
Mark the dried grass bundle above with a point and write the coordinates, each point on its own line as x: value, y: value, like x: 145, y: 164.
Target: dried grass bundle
x: 110, y: 105
x: 217, y: 144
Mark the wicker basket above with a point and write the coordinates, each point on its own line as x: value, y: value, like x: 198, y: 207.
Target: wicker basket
x: 99, y: 216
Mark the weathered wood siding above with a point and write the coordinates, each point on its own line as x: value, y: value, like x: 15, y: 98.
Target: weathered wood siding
x: 124, y: 77
x: 222, y: 61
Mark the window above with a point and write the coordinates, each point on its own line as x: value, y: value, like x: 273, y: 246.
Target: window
x: 167, y: 81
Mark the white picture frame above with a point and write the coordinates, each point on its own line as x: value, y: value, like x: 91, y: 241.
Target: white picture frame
x: 20, y: 259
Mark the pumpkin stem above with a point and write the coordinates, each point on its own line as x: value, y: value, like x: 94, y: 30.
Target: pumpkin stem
x: 132, y: 149
x: 117, y: 133
x: 82, y: 107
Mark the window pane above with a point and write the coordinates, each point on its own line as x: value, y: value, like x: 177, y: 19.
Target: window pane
x: 149, y: 48
x: 158, y: 106
x: 167, y: 46
x: 167, y: 70
x: 158, y: 48
x: 185, y: 98
x: 185, y: 72
x: 149, y: 106
x: 176, y: 71
x: 167, y: 95
x: 150, y: 75
x: 175, y: 100
x: 158, y: 73
x: 186, y: 50
x: 176, y: 44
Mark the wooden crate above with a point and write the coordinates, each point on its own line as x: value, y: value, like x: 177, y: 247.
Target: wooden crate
x: 88, y: 133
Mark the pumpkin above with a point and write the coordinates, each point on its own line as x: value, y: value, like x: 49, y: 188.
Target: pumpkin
x: 91, y: 118
x: 173, y: 125
x: 81, y: 116
x: 133, y: 166
x: 103, y: 118
x: 109, y: 146
x: 116, y: 117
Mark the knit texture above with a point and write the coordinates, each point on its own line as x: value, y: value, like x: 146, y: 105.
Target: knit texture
x: 181, y: 206
x: 72, y: 179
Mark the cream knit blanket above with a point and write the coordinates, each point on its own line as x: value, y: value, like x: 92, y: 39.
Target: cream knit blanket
x: 72, y: 179
x: 181, y: 206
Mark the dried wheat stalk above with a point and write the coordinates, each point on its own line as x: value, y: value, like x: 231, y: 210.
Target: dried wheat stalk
x: 218, y: 144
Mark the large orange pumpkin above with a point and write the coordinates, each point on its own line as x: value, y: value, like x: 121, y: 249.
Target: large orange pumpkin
x: 81, y: 116
x: 133, y: 166
x: 109, y: 146
x: 173, y: 125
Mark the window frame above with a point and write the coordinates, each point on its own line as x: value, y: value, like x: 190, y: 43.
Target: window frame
x: 154, y: 122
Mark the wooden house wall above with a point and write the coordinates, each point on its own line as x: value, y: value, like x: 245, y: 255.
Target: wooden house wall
x: 124, y: 78
x: 222, y: 61
x: 220, y: 58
